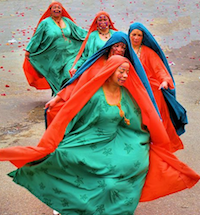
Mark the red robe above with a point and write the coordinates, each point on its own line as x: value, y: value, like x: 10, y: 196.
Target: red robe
x: 157, y: 73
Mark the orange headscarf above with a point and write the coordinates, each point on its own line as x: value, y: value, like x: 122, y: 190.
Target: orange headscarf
x: 92, y: 28
x: 47, y: 13
x: 33, y: 77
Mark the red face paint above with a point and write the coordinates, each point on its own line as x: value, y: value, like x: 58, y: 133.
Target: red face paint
x: 103, y: 22
x: 118, y: 49
x: 121, y: 74
x: 56, y: 10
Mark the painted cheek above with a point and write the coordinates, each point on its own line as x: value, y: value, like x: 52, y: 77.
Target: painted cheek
x: 119, y: 77
x: 114, y: 49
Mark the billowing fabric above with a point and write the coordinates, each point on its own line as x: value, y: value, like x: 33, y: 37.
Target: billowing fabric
x: 157, y: 73
x: 33, y: 77
x: 164, y: 168
x: 99, y: 167
x: 177, y: 112
x: 96, y: 61
x: 51, y: 56
x: 92, y: 38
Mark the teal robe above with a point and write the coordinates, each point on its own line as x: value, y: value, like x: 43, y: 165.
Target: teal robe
x: 93, y: 45
x: 51, y: 55
x: 99, y: 167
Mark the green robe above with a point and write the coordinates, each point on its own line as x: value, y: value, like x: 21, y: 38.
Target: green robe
x: 93, y: 45
x: 51, y: 55
x: 100, y: 166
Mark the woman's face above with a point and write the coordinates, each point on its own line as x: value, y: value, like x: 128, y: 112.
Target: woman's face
x: 118, y: 49
x: 120, y: 75
x: 103, y: 22
x: 56, y: 10
x: 136, y: 37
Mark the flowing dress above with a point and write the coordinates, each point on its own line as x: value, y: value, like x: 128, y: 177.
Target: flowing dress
x: 99, y: 167
x: 94, y: 44
x: 51, y: 54
x: 157, y: 73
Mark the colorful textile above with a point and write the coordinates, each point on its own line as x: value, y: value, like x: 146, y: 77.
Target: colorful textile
x: 93, y: 44
x: 157, y: 73
x: 99, y: 167
x: 164, y: 168
x: 99, y: 58
x: 51, y: 56
x: 177, y: 112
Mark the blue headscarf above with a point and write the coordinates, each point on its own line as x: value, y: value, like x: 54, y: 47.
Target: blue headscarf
x: 118, y: 37
x: 177, y: 112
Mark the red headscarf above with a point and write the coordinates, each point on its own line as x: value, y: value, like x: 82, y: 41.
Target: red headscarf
x: 93, y: 27
x: 33, y: 77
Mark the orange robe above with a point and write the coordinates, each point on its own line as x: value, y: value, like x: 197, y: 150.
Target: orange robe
x: 157, y: 73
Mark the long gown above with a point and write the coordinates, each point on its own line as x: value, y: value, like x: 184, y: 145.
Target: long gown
x: 157, y: 73
x: 99, y: 167
x: 51, y: 54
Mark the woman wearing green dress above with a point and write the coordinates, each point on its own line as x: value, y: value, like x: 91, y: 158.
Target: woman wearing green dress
x: 94, y: 157
x: 52, y: 49
x: 101, y: 29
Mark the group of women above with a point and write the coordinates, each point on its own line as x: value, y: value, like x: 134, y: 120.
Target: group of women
x: 113, y: 124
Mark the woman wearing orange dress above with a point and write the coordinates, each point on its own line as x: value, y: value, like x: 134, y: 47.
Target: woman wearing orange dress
x: 161, y: 80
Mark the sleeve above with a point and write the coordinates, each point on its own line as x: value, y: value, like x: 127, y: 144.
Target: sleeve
x: 37, y: 38
x: 85, y: 54
x: 78, y: 33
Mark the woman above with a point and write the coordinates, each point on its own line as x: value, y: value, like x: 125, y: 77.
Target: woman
x: 160, y: 77
x: 52, y: 49
x: 102, y: 121
x: 100, y: 31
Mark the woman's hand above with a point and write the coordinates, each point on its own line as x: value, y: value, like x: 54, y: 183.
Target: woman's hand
x: 27, y: 55
x: 72, y: 71
x: 164, y: 85
x: 52, y: 102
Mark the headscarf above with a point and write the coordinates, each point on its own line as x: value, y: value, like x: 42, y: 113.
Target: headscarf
x: 164, y: 166
x: 149, y: 40
x: 47, y: 13
x: 91, y: 63
x: 177, y: 112
x: 33, y: 77
x: 92, y: 28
